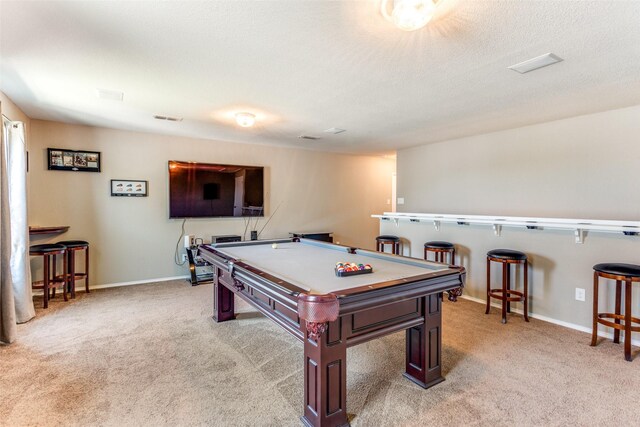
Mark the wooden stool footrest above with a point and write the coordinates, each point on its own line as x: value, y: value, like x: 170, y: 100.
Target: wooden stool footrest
x: 620, y: 326
x: 39, y: 284
x: 497, y: 293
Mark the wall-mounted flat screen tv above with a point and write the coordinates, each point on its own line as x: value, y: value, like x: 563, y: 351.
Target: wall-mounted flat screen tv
x: 199, y: 190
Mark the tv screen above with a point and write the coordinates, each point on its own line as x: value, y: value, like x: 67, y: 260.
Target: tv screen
x: 210, y: 190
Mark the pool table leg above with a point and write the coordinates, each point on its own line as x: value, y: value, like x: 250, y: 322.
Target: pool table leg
x: 223, y: 303
x: 325, y: 375
x: 423, y: 357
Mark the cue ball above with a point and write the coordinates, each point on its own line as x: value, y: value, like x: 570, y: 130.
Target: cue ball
x: 274, y: 246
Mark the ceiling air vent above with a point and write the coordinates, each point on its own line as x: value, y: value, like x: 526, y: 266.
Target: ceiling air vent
x: 535, y: 63
x: 334, y: 131
x: 112, y: 95
x: 309, y: 137
x: 167, y: 118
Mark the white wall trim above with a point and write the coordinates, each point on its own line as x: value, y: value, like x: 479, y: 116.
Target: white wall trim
x: 554, y: 321
x: 136, y: 282
x: 116, y: 285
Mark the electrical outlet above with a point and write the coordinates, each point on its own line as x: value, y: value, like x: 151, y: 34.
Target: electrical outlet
x: 580, y: 294
x: 184, y: 257
x: 401, y: 200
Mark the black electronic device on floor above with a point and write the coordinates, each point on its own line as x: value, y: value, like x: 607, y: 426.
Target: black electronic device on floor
x: 201, y: 271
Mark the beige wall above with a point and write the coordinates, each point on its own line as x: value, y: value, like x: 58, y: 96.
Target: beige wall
x: 582, y: 167
x: 133, y: 239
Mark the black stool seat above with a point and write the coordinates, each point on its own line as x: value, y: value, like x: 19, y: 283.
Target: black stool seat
x: 615, y: 269
x: 46, y: 249
x: 388, y: 238
x: 73, y: 243
x: 507, y: 254
x: 438, y: 245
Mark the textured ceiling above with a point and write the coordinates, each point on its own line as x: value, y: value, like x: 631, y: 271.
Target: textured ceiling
x: 305, y: 66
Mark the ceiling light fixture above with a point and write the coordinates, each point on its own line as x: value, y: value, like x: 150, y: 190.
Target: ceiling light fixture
x: 246, y: 120
x: 409, y: 15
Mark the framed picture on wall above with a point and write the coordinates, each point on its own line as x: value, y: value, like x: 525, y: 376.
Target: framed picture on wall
x: 129, y: 188
x: 73, y: 160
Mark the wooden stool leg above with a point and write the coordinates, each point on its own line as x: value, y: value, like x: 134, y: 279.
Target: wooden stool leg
x: 425, y: 254
x: 86, y: 270
x: 72, y: 273
x: 627, y: 320
x: 616, y: 332
x: 488, y: 286
x: 508, y: 277
x: 45, y: 285
x: 453, y: 257
x: 505, y: 275
x: 65, y: 275
x: 526, y: 291
x: 55, y: 264
x: 594, y: 332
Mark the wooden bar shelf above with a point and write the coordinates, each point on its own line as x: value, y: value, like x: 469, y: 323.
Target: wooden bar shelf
x: 59, y: 229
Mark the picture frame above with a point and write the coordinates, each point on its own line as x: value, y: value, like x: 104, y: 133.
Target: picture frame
x: 62, y: 159
x: 129, y: 188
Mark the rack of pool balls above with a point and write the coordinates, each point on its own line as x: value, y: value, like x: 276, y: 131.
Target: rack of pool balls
x: 351, y: 269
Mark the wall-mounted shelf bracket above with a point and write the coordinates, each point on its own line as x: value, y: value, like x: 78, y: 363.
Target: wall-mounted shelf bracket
x: 579, y: 233
x: 497, y: 229
x: 436, y: 225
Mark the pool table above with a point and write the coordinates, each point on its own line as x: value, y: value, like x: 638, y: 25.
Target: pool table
x: 294, y: 283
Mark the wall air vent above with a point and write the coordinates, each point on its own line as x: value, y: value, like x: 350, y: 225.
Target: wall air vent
x: 167, y: 118
x: 309, y: 137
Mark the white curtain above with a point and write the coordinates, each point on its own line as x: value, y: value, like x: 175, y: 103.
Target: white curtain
x: 16, y: 303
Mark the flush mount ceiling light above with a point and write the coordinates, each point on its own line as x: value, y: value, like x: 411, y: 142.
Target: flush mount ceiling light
x: 246, y: 120
x: 409, y: 15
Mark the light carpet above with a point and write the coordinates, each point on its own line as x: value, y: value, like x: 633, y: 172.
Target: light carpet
x: 150, y: 355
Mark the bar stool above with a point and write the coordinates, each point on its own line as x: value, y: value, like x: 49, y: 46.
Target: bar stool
x: 72, y: 247
x: 440, y: 249
x: 627, y: 273
x: 50, y: 280
x: 507, y: 257
x: 394, y: 241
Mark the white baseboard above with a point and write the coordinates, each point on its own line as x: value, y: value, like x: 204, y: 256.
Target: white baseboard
x: 80, y: 288
x: 569, y: 325
x: 136, y: 282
